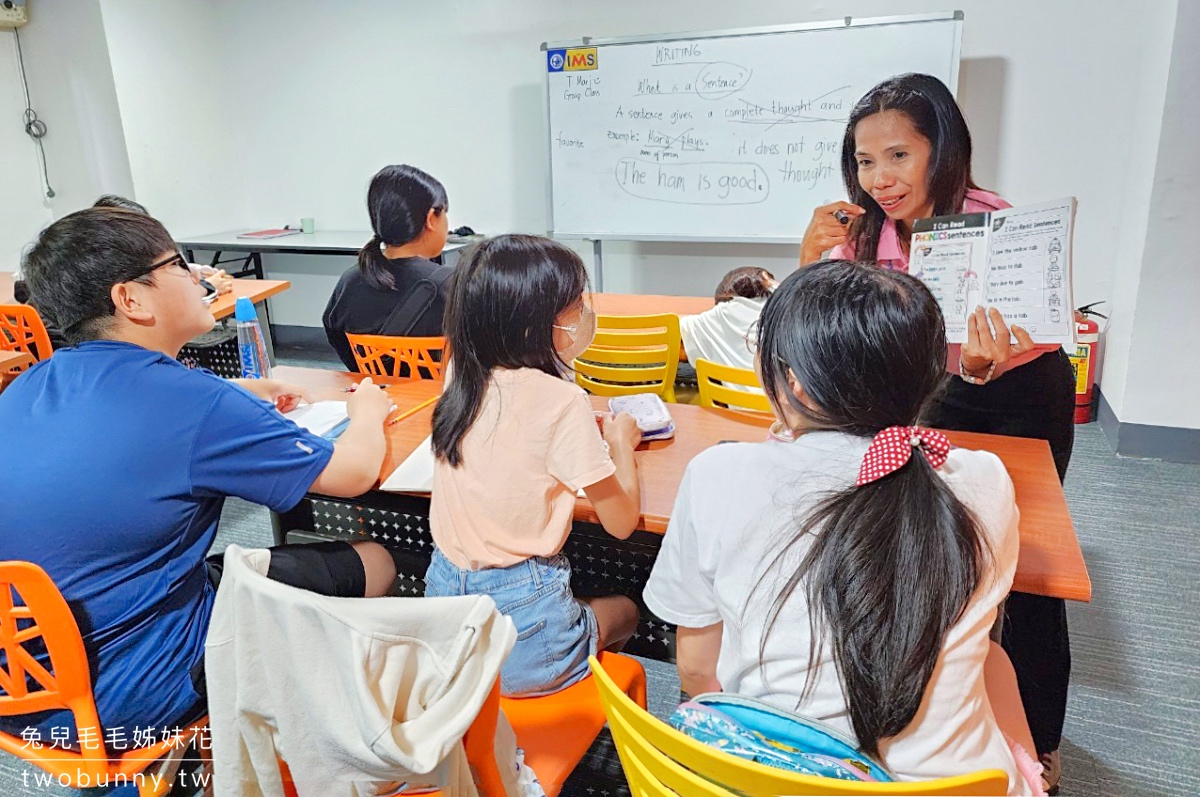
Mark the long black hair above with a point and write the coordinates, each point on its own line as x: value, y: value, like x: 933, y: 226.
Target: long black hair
x: 398, y: 201
x: 931, y: 108
x: 893, y: 563
x: 507, y: 292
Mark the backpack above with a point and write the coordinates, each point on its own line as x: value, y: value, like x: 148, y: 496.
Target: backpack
x: 416, y: 302
x: 759, y: 732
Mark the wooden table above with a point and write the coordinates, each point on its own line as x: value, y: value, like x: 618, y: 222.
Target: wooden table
x: 256, y: 290
x: 14, y: 359
x: 10, y: 360
x: 222, y: 307
x: 1051, y: 562
x: 222, y: 358
x: 649, y: 304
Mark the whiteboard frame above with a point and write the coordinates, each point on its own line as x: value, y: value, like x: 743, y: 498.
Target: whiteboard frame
x: 844, y: 22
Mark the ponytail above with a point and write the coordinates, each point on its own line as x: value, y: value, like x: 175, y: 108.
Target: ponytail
x: 399, y: 201
x: 894, y: 562
x: 374, y: 266
x: 892, y: 566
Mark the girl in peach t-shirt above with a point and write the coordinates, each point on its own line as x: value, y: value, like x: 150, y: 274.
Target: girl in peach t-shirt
x: 513, y: 441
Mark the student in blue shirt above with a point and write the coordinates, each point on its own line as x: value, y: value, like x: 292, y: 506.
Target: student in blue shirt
x: 119, y: 459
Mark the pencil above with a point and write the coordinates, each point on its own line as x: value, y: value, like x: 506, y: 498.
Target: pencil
x: 413, y: 411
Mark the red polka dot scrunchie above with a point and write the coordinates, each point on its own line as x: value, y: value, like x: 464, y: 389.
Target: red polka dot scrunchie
x: 893, y: 447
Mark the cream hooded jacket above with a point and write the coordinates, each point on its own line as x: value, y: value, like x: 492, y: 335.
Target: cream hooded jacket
x: 354, y: 694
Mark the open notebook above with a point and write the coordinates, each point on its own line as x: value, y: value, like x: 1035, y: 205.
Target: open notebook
x: 326, y: 419
x: 415, y: 474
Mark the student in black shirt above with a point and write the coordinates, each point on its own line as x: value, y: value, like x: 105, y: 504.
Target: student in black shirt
x: 396, y: 289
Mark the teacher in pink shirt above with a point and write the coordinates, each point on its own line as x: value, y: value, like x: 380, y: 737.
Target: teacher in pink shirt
x: 906, y: 155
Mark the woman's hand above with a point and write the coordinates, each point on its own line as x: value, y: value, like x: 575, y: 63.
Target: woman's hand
x: 825, y: 231
x: 983, y: 349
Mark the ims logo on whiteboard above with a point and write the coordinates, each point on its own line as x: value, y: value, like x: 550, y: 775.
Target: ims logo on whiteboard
x: 574, y: 59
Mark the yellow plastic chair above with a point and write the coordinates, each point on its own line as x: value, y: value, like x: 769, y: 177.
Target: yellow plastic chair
x: 386, y: 355
x: 714, y: 380
x: 631, y: 354
x: 659, y: 761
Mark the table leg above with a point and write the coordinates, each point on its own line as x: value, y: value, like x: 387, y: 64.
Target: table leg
x: 600, y: 563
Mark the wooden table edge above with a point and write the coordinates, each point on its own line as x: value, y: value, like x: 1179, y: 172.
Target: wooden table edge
x: 268, y: 288
x: 1078, y: 588
x: 15, y: 359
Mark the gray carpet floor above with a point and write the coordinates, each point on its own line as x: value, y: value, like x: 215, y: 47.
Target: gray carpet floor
x: 1133, y: 722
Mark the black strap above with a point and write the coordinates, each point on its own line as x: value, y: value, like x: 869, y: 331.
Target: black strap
x: 418, y: 301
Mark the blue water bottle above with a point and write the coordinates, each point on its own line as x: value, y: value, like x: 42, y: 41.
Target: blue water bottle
x: 252, y: 346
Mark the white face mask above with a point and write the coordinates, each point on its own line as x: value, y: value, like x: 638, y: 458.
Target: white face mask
x: 582, y: 333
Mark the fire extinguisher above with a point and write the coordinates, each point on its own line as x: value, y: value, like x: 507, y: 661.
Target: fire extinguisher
x: 1085, y: 359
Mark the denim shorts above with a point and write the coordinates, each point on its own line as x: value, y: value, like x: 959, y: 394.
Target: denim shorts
x: 555, y: 631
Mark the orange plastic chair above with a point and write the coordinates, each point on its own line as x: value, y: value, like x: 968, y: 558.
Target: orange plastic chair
x: 555, y: 731
x: 46, y: 616
x: 21, y: 329
x: 384, y: 355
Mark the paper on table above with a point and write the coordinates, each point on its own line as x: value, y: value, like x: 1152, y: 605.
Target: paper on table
x: 268, y: 233
x: 414, y: 474
x: 319, y: 418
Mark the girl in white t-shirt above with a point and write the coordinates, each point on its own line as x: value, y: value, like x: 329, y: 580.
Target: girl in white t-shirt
x: 514, y: 438
x: 850, y: 567
x: 719, y: 333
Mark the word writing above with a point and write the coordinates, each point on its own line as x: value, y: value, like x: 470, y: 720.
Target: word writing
x: 707, y: 183
x: 667, y: 54
x: 580, y: 86
x: 563, y: 141
x: 811, y: 175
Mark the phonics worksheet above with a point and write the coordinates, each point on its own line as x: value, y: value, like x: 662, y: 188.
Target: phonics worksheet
x: 1017, y: 260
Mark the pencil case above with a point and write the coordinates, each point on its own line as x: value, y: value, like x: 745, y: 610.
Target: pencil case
x: 649, y: 411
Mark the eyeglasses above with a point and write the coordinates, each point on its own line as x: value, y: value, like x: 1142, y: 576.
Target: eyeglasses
x: 584, y: 316
x: 176, y: 259
x: 750, y: 337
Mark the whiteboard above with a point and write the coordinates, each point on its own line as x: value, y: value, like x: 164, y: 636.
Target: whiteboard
x: 722, y: 136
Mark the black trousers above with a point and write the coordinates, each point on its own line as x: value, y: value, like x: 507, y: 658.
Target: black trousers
x: 1035, y: 400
